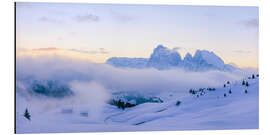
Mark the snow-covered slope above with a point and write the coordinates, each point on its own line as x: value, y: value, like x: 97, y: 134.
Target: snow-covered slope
x: 164, y: 58
x: 206, y: 109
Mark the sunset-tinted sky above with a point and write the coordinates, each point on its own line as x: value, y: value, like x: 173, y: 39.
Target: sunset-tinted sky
x: 100, y: 31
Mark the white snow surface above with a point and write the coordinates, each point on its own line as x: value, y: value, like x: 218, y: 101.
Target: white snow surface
x: 211, y: 111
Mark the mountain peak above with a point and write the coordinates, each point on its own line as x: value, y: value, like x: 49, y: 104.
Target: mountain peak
x: 163, y: 58
x: 208, y: 57
x: 188, y: 57
x: 160, y: 46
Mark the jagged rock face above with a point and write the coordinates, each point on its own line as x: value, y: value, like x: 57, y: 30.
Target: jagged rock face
x: 208, y: 58
x: 163, y: 58
x: 188, y: 57
x: 203, y: 60
x: 188, y: 62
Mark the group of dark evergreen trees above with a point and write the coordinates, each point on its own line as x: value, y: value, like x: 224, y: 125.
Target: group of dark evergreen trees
x: 244, y: 83
x: 121, y: 104
x: 230, y: 88
x: 200, y: 92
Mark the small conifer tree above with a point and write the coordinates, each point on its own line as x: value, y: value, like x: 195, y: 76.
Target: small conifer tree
x: 178, y: 103
x: 27, y: 114
x: 190, y: 91
x: 247, y: 84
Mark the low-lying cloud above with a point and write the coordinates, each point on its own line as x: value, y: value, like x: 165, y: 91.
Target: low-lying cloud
x: 93, y: 83
x: 91, y: 95
x: 119, y: 79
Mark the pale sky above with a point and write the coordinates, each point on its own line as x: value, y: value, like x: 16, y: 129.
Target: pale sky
x: 101, y: 31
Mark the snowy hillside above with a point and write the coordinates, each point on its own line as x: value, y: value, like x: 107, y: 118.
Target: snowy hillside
x: 232, y: 105
x: 164, y: 58
x: 81, y: 96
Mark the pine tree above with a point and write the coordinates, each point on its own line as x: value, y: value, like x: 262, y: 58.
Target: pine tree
x: 247, y: 84
x: 224, y: 85
x: 228, y: 82
x: 253, y: 76
x: 230, y: 91
x: 225, y: 95
x: 178, y: 103
x: 243, y: 83
x: 246, y: 91
x: 190, y: 91
x: 27, y: 114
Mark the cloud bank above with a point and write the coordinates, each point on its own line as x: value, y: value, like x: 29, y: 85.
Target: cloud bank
x: 93, y: 83
x: 118, y: 79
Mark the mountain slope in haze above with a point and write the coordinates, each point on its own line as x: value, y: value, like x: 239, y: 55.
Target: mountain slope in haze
x: 127, y: 62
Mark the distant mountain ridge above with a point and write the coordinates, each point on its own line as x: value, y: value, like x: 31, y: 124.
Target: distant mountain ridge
x: 128, y: 62
x: 164, y: 58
